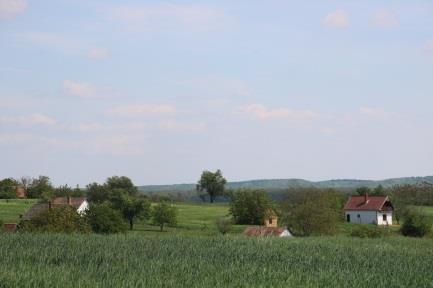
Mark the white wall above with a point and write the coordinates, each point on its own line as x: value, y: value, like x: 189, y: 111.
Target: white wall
x: 83, y: 207
x: 369, y: 217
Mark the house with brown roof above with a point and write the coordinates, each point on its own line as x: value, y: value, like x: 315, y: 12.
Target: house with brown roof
x: 270, y: 228
x: 80, y: 204
x: 369, y: 210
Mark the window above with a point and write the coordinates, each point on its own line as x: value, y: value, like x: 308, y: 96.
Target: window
x: 348, y: 217
x: 384, y: 217
x: 359, y: 216
x: 270, y: 220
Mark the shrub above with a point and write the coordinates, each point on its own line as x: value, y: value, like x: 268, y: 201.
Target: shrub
x: 163, y: 213
x: 63, y: 219
x: 249, y: 206
x: 416, y: 223
x: 224, y: 225
x: 104, y: 219
x: 368, y: 231
x: 1, y: 226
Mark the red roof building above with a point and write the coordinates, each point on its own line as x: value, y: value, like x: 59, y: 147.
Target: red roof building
x: 369, y: 210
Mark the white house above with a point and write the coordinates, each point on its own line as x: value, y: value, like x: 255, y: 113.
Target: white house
x: 369, y: 210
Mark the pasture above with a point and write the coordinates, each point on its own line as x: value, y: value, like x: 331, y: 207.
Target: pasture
x: 11, y: 209
x: 41, y: 260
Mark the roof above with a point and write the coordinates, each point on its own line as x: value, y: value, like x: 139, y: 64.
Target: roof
x: 368, y: 203
x: 35, y: 210
x: 264, y: 231
x: 75, y: 202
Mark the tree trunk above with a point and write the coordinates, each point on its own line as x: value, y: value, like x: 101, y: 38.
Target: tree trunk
x: 131, y: 224
x: 211, y: 198
x: 161, y: 227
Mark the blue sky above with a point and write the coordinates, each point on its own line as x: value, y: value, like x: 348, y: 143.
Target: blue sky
x: 161, y: 90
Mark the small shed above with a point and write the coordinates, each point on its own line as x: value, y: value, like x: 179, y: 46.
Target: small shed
x: 270, y: 228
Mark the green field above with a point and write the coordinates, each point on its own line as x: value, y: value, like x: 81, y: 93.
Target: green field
x: 42, y: 260
x: 11, y: 209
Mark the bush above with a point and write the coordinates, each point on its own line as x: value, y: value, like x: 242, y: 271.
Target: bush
x: 163, y: 213
x: 1, y: 226
x: 416, y: 223
x: 104, y: 219
x: 57, y: 220
x: 249, y: 206
x: 368, y: 231
x: 224, y: 225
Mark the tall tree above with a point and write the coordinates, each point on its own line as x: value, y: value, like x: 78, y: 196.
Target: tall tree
x: 213, y: 183
x: 121, y: 182
x: 40, y: 187
x: 97, y: 193
x: 8, y: 188
x: 250, y: 206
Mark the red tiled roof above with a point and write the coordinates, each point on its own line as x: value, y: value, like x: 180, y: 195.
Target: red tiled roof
x: 75, y: 202
x: 264, y: 231
x: 374, y: 203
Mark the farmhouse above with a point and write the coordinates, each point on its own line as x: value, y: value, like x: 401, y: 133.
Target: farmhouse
x: 269, y: 229
x: 80, y: 204
x: 369, y: 210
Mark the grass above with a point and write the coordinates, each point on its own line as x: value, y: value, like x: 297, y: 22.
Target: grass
x: 32, y: 260
x: 11, y: 209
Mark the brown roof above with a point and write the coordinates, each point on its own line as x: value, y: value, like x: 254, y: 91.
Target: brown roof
x: 264, y: 231
x: 74, y: 202
x: 372, y: 203
x: 35, y: 210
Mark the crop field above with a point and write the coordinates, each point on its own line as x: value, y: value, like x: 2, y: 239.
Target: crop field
x: 11, y: 209
x: 38, y: 260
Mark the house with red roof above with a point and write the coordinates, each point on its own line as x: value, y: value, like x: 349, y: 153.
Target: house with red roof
x: 369, y: 210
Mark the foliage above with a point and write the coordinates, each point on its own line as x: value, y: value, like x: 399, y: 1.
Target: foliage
x: 121, y: 182
x: 7, y: 188
x: 368, y: 231
x: 416, y: 223
x: 11, y: 209
x: 213, y: 183
x: 224, y: 225
x: 135, y: 260
x: 1, y: 225
x: 313, y: 212
x: 97, y: 193
x: 66, y: 191
x: 164, y: 213
x: 40, y: 187
x: 250, y: 206
x: 104, y: 219
x: 419, y: 195
x: 63, y: 219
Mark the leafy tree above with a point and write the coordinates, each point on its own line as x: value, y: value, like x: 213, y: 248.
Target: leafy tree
x: 104, y: 219
x: 63, y: 219
x: 122, y: 182
x: 163, y: 213
x: 8, y: 188
x: 363, y: 190
x: 97, y: 193
x: 224, y: 225
x: 212, y: 183
x: 416, y: 223
x: 249, y: 206
x: 63, y: 191
x: 40, y: 187
x: 316, y: 212
x: 378, y: 191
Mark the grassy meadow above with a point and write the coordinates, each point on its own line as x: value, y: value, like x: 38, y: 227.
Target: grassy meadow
x: 132, y: 260
x: 11, y: 209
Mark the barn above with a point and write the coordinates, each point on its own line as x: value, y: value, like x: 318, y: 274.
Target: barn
x: 369, y: 210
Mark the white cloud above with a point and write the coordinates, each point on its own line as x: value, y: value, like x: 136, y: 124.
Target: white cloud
x: 261, y: 112
x: 429, y: 45
x: 373, y: 112
x: 384, y: 19
x: 133, y: 111
x: 81, y: 89
x: 151, y: 17
x: 182, y: 127
x: 98, y: 53
x: 10, y: 8
x: 336, y: 19
x: 33, y: 119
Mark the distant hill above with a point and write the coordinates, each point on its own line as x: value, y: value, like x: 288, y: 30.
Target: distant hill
x: 292, y: 183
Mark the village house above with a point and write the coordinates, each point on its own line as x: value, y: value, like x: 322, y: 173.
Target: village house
x: 80, y: 204
x: 269, y: 229
x: 369, y: 210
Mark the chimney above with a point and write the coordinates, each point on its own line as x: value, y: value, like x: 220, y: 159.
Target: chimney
x: 69, y: 201
x: 365, y: 197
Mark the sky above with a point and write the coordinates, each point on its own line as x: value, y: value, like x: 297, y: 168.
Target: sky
x: 161, y: 90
